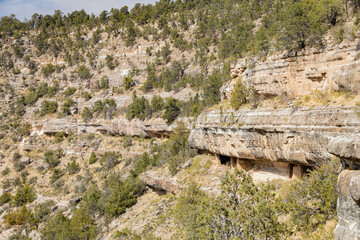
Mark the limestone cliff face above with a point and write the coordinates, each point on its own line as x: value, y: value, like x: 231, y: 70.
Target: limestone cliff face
x: 292, y: 135
x: 334, y: 68
x: 305, y: 137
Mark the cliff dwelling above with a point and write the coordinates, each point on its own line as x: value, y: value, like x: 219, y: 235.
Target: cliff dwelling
x: 264, y: 170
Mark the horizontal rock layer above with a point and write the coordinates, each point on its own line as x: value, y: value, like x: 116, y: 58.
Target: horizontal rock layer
x: 119, y: 126
x: 293, y: 135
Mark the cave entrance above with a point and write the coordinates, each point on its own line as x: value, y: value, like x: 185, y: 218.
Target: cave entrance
x: 224, y: 160
x: 291, y: 170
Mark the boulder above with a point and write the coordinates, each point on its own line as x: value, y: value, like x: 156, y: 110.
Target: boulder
x: 160, y: 183
x: 26, y: 160
x: 346, y: 148
x: 348, y: 208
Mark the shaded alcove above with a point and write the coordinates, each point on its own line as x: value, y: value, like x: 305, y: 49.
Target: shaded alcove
x: 224, y: 160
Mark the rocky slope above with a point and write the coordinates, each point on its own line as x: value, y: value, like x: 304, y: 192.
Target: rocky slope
x: 269, y: 142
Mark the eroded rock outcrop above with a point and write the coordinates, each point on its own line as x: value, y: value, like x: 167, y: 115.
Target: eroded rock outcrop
x: 293, y: 74
x: 160, y: 183
x: 291, y: 135
x: 348, y: 149
x: 118, y: 126
x: 348, y: 207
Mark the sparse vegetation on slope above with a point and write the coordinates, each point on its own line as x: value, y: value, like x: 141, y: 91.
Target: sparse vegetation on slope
x: 63, y: 77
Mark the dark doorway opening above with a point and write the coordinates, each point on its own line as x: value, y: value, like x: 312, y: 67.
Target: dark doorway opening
x: 291, y: 170
x: 224, y: 159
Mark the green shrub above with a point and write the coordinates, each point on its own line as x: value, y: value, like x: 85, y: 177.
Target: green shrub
x: 42, y: 90
x: 109, y: 160
x: 56, y: 175
x: 172, y: 110
x: 43, y: 210
x: 6, y: 184
x: 16, y: 156
x: 59, y: 184
x: 66, y: 107
x: 94, y: 200
x: 87, y: 96
x: 239, y: 95
x: 80, y: 226
x: 21, y: 216
x: 57, y: 228
x: 312, y: 200
x: 52, y: 158
x: 24, y: 129
x: 152, y: 80
x: 104, y: 83
x: 47, y: 70
x: 98, y: 106
x: 69, y: 91
x: 157, y: 103
x: 92, y: 159
x: 139, y: 108
x: 96, y: 36
x: 178, y: 148
x: 246, y: 211
x: 83, y: 226
x: 142, y: 163
x: 30, y: 98
x: 165, y: 53
x: 5, y: 198
x: 5, y: 171
x: 48, y: 107
x: 19, y: 166
x: 127, y: 141
x: 18, y: 51
x: 211, y: 89
x: 53, y: 89
x: 59, y: 137
x: 24, y: 175
x: 33, y: 180
x: 24, y: 194
x: 122, y: 195
x: 73, y: 167
x: 19, y: 236
x: 110, y: 62
x: 16, y: 71
x: 128, y: 83
x: 83, y: 72
x: 86, y: 114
